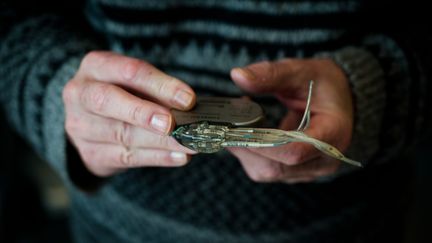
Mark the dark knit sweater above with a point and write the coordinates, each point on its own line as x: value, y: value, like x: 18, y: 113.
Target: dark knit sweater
x: 212, y: 199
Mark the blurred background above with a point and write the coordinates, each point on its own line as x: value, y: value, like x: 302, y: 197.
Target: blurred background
x: 34, y: 204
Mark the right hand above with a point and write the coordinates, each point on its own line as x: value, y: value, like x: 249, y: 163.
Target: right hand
x: 117, y: 114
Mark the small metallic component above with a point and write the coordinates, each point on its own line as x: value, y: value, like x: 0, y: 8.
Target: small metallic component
x: 211, y: 136
x: 201, y: 137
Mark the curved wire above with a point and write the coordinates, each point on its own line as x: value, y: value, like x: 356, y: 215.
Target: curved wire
x: 304, y: 124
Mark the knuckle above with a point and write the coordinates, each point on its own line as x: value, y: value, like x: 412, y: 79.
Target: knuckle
x: 122, y: 134
x: 176, y: 88
x: 146, y: 68
x: 138, y: 70
x: 96, y: 97
x: 126, y: 158
x: 162, y: 87
x: 70, y: 91
x: 137, y: 113
x: 95, y: 57
x: 130, y: 69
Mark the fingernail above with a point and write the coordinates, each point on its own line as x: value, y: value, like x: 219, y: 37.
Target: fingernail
x: 160, y: 122
x: 179, y: 157
x: 246, y: 73
x: 183, y: 98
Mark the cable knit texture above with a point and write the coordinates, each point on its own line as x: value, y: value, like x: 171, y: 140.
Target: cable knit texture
x: 212, y: 199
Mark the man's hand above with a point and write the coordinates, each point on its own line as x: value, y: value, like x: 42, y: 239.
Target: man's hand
x: 331, y: 117
x: 117, y: 114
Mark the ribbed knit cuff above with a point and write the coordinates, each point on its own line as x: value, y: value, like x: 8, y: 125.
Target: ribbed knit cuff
x: 54, y: 136
x: 367, y: 83
x: 32, y: 85
x: 59, y: 152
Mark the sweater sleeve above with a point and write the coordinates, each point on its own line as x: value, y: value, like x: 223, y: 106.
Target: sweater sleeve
x: 389, y: 85
x: 39, y: 53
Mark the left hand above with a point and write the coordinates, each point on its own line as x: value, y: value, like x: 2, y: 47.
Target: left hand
x: 331, y: 117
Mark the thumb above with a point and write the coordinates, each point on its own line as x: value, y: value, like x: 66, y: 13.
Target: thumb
x: 268, y: 77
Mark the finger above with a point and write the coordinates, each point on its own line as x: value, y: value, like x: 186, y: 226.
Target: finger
x: 289, y: 154
x: 311, y: 169
x: 267, y: 77
x: 138, y: 75
x: 105, y: 130
x: 291, y: 120
x: 114, y: 102
x: 106, y: 159
x: 258, y: 168
x: 261, y: 169
x: 297, y: 152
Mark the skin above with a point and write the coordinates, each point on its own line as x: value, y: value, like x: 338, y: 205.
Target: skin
x: 331, y: 117
x: 117, y: 115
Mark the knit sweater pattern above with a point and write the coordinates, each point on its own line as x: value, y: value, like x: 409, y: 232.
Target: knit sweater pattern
x: 212, y: 199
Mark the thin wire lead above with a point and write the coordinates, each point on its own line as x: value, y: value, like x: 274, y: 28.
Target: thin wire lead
x: 304, y: 124
x: 209, y: 138
x: 268, y: 137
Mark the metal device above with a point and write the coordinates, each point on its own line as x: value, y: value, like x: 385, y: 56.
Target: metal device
x: 217, y: 123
